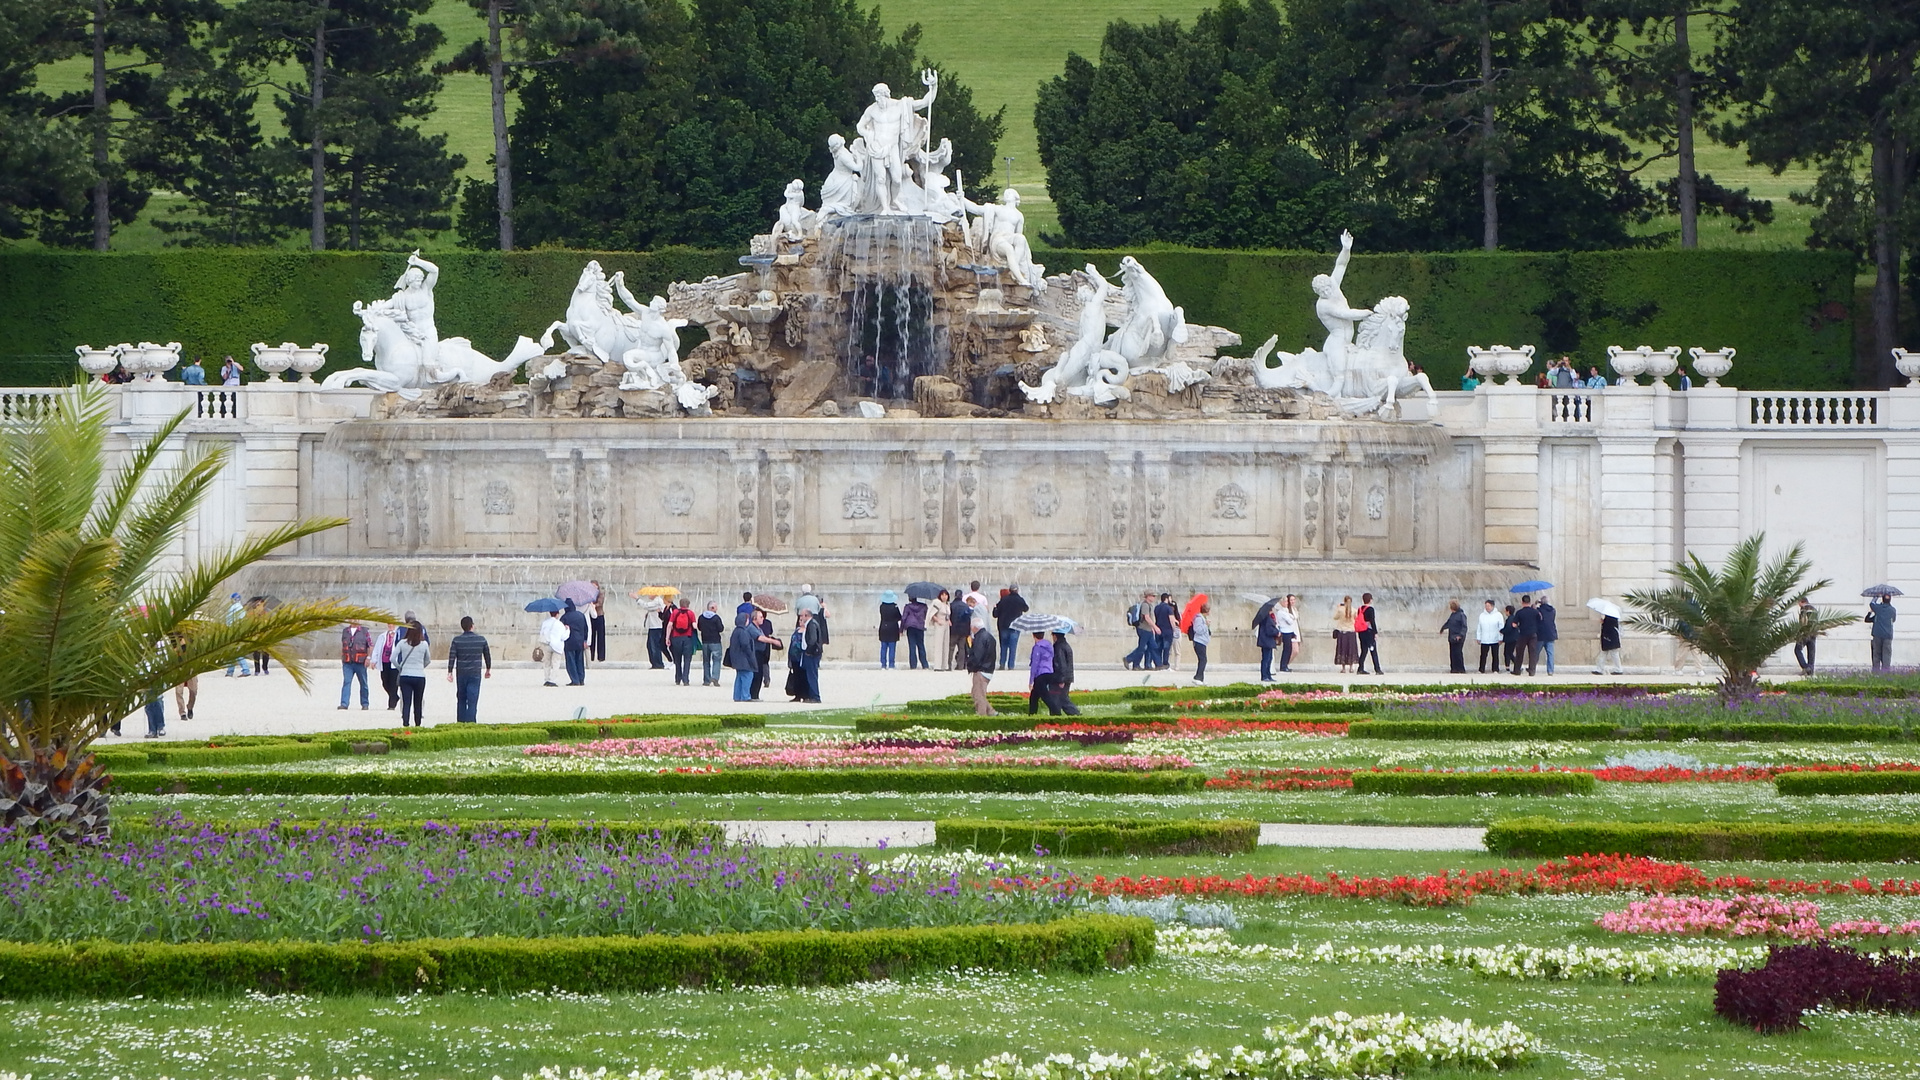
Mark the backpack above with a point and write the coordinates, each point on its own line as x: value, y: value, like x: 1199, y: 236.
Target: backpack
x: 683, y: 620
x: 1136, y: 615
x: 1360, y: 623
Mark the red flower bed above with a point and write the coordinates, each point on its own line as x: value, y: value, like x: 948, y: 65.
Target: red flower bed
x: 1578, y: 874
x: 1285, y: 779
x: 1202, y: 725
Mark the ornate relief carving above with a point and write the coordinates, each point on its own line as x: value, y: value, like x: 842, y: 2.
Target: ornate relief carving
x: 677, y: 499
x: 969, y: 483
x: 746, y: 477
x: 599, y: 510
x: 859, y: 501
x: 393, y: 500
x: 497, y: 500
x: 1311, y: 510
x: 1376, y: 502
x: 562, y: 474
x: 1343, y: 505
x: 1044, y: 499
x: 1230, y: 502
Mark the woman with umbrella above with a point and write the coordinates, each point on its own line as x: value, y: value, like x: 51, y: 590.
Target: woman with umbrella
x: 1040, y: 663
x: 1609, y: 635
x: 913, y: 620
x: 889, y: 628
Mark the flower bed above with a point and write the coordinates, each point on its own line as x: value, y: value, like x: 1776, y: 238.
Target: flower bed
x: 842, y: 755
x: 1796, y: 978
x: 1296, y: 779
x: 1740, y: 916
x: 1201, y: 726
x: 597, y: 778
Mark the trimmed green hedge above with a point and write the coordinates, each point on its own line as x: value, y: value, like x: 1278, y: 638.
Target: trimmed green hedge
x: 1889, y: 782
x: 1843, y: 689
x: 117, y: 760
x: 161, y: 755
x: 1472, y: 783
x: 1084, y: 945
x: 1788, y: 310
x: 1079, y: 837
x: 1496, y: 730
x: 1002, y: 722
x: 681, y: 832
x: 1762, y: 841
x: 747, y: 781
x: 588, y: 730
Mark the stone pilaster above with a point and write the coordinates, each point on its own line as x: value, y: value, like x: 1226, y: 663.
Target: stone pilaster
x: 1156, y: 467
x: 1120, y: 538
x: 746, y: 480
x: 967, y: 479
x: 930, y: 474
x: 563, y: 475
x: 783, y: 477
x: 598, y: 524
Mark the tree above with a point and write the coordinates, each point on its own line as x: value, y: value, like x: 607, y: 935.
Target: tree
x: 237, y: 186
x: 1737, y: 616
x: 43, y: 164
x: 1829, y: 83
x: 92, y: 628
x: 1665, y: 99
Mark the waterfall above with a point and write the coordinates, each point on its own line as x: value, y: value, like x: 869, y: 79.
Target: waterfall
x: 890, y: 323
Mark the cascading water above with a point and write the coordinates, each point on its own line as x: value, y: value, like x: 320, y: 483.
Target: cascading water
x: 887, y: 271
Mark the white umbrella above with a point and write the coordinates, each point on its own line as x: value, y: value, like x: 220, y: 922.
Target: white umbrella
x: 1605, y: 607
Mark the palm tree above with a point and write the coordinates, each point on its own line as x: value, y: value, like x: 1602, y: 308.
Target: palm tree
x: 1739, y: 615
x: 91, y: 626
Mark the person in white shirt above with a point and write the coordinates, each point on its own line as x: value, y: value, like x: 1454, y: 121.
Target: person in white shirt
x: 1486, y: 631
x: 553, y: 640
x: 1287, y: 621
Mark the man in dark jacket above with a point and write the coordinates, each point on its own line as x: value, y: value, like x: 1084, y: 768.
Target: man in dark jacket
x: 743, y: 654
x: 575, y: 621
x: 1609, y: 646
x: 805, y: 658
x: 1266, y: 635
x: 1527, y: 648
x: 1010, y: 607
x: 468, y: 661
x: 982, y: 651
x: 1549, y: 630
x: 1063, y: 674
x: 1165, y: 618
x: 712, y: 628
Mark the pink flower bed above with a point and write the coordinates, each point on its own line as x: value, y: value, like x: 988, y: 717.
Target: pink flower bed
x: 844, y: 756
x: 1739, y: 916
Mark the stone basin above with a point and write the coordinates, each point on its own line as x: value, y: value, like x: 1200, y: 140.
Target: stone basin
x: 1003, y: 320
x: 751, y: 314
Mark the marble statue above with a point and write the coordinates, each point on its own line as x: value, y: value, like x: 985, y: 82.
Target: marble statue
x: 1153, y: 323
x: 893, y: 132
x: 654, y: 361
x: 402, y: 346
x: 1087, y: 368
x: 593, y: 326
x: 1379, y: 363
x: 841, y: 194
x: 796, y: 221
x: 1002, y: 234
x: 930, y: 195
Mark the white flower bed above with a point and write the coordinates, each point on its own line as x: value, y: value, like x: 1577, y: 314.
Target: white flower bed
x: 1505, y: 961
x: 967, y: 864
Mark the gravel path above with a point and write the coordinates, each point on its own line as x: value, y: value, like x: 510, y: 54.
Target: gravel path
x: 894, y: 834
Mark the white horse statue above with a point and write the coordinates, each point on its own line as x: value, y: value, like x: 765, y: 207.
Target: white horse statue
x: 593, y: 326
x: 1087, y: 368
x: 1379, y: 360
x: 1153, y: 323
x: 401, y: 344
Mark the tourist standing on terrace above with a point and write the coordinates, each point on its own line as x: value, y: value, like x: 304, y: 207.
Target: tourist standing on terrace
x: 763, y: 652
x: 976, y: 600
x: 1346, y: 643
x: 913, y: 620
x: 1011, y: 606
x: 712, y: 629
x: 553, y: 644
x: 744, y: 655
x: 231, y: 371
x: 959, y: 632
x: 468, y: 661
x: 683, y: 629
x: 390, y: 674
x: 1526, y: 623
x: 804, y: 684
x: 1881, y: 614
x: 889, y: 629
x: 1063, y: 674
x: 1456, y: 630
x: 1609, y: 646
x: 1287, y: 618
x: 982, y: 651
x: 1803, y: 647
x: 1201, y: 635
x: 411, y: 658
x: 653, y: 617
x: 1549, y: 630
x: 1490, y: 631
x: 1509, y: 640
x: 1040, y: 675
x: 938, y: 619
x: 597, y: 624
x: 193, y: 374
x: 1367, y: 628
x: 576, y: 647
x: 1266, y: 635
x: 355, y: 647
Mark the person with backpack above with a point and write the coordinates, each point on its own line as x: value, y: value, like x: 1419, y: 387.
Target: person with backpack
x: 355, y: 647
x: 889, y: 629
x: 1166, y: 619
x: 711, y: 627
x: 1140, y: 617
x: 1367, y: 626
x: 682, y: 630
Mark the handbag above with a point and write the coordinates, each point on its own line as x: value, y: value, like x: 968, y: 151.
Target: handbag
x: 539, y: 654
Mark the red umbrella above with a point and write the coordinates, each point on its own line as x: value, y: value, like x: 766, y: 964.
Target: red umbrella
x: 1193, y: 608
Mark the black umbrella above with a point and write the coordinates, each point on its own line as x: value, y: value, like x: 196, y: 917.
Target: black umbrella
x: 923, y: 590
x: 1266, y: 609
x: 1881, y: 590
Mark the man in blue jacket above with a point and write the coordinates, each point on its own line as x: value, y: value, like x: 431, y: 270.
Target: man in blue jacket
x: 1549, y: 630
x: 1527, y: 622
x: 575, y: 621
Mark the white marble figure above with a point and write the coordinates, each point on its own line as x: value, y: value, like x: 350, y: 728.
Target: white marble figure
x: 796, y: 221
x: 654, y: 362
x: 593, y: 326
x: 929, y: 193
x: 840, y: 193
x: 1153, y: 323
x: 1323, y: 370
x: 892, y: 133
x: 1087, y: 368
x: 400, y: 342
x: 1380, y: 371
x: 1002, y: 235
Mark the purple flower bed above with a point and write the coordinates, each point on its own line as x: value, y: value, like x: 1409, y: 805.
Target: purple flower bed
x: 1797, y: 978
x: 1649, y: 710
x: 359, y: 881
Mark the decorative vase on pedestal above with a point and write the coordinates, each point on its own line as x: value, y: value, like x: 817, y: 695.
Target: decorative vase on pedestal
x: 1711, y: 364
x: 1908, y: 364
x: 95, y: 362
x: 1482, y: 361
x: 273, y: 361
x: 308, y: 361
x: 1628, y: 363
x: 1661, y: 362
x: 1513, y: 363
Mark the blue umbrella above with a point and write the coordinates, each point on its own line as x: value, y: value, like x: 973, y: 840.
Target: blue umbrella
x: 545, y: 603
x: 1531, y: 586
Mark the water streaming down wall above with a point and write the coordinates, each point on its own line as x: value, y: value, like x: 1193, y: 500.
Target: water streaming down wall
x: 888, y: 320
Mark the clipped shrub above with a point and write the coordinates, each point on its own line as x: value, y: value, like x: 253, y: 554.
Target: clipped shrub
x: 1760, y: 841
x: 117, y: 760
x: 1502, y: 730
x: 1084, y: 944
x: 1796, y: 978
x: 731, y: 720
x: 1373, y: 782
x: 1887, y: 782
x: 587, y: 730
x: 164, y: 755
x: 680, y: 831
x: 1070, y: 837
x: 1003, y: 722
x: 752, y: 781
x: 464, y: 736
x: 1867, y: 688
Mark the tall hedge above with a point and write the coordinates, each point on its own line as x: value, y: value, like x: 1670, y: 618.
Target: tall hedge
x: 1786, y: 311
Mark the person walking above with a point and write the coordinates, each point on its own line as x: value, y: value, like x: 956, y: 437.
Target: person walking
x: 683, y: 629
x: 1803, y: 645
x: 763, y: 652
x: 187, y: 695
x: 889, y: 629
x: 1166, y: 621
x: 1609, y: 646
x: 744, y: 648
x: 1455, y: 628
x: 256, y: 608
x: 576, y: 644
x: 1286, y: 618
x: 913, y: 620
x: 1526, y: 623
x: 1011, y: 606
x: 1489, y: 629
x: 1881, y: 614
x: 1140, y: 617
x: 389, y: 672
x: 1201, y: 635
x: 1346, y: 641
x: 712, y: 629
x: 1040, y: 676
x: 1549, y: 630
x: 938, y: 620
x: 236, y: 610
x: 552, y: 645
x: 468, y: 661
x: 653, y: 614
x: 959, y: 631
x: 1509, y: 641
x: 411, y: 658
x: 1063, y: 674
x: 805, y: 658
x: 156, y: 717
x: 597, y: 624
x: 355, y: 646
x: 982, y: 652
x: 1366, y: 627
x: 1266, y: 637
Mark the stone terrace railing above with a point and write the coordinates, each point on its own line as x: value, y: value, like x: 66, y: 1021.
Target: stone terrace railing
x: 17, y: 404
x: 1572, y: 407
x: 1790, y: 409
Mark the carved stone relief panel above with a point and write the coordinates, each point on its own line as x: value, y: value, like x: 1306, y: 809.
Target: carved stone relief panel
x: 561, y: 476
x: 746, y: 482
x: 969, y: 481
x: 599, y: 482
x: 497, y: 499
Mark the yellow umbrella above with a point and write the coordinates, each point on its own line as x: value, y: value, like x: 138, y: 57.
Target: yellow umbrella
x: 655, y: 590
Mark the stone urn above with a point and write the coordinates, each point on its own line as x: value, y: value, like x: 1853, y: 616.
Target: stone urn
x: 1711, y: 364
x: 159, y: 359
x: 1486, y: 362
x: 1661, y: 362
x: 1908, y: 364
x: 273, y: 361
x: 1628, y: 363
x: 95, y: 362
x: 1513, y: 363
x: 309, y: 360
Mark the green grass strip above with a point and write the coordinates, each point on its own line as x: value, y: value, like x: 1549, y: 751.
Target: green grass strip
x: 1069, y: 837
x: 741, y: 781
x: 1081, y: 945
x: 1887, y: 782
x: 1760, y: 841
x: 1371, y: 782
